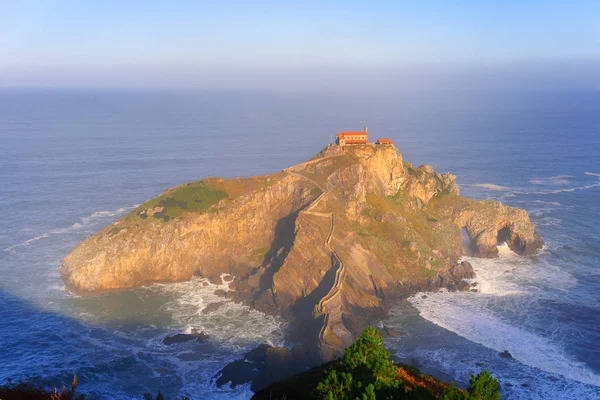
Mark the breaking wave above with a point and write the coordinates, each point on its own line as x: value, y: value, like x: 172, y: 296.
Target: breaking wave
x: 559, y: 180
x: 552, y: 180
x: 199, y: 304
x: 497, y: 316
x: 491, y: 186
x: 87, y: 221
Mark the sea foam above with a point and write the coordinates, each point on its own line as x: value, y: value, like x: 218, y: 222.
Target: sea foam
x: 84, y: 222
x: 505, y: 287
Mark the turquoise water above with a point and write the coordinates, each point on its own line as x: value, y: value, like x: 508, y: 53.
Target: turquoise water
x: 73, y: 161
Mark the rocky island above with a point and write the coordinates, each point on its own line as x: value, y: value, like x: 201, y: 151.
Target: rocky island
x: 327, y: 244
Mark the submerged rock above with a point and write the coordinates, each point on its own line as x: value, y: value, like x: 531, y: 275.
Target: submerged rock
x: 195, y: 335
x: 237, y: 372
x: 506, y: 354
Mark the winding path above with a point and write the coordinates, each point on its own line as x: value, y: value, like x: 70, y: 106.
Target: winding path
x: 331, y: 304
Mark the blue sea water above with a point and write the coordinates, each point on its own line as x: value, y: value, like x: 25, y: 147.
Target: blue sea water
x: 72, y: 161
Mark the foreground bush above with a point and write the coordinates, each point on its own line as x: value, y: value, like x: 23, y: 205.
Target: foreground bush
x: 366, y: 373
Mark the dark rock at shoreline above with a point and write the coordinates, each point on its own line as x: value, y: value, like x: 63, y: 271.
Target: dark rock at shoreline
x: 198, y: 336
x: 237, y: 372
x: 279, y: 364
x: 506, y: 354
x: 263, y: 365
x: 258, y: 354
x: 462, y: 270
x: 463, y: 286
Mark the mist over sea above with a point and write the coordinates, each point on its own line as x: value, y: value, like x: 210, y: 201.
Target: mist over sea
x: 72, y: 161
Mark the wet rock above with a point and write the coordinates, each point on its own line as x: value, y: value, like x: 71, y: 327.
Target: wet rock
x: 463, y: 286
x: 237, y: 372
x: 258, y: 354
x: 227, y: 278
x: 244, y: 370
x: 279, y: 364
x: 478, y: 364
x: 463, y: 270
x: 506, y: 354
x: 196, y: 335
x: 220, y: 292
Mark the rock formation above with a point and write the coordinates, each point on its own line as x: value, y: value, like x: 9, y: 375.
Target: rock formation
x: 326, y: 243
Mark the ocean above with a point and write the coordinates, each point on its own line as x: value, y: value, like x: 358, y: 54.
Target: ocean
x: 72, y: 161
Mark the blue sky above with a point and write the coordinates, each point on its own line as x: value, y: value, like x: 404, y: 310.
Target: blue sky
x: 239, y: 43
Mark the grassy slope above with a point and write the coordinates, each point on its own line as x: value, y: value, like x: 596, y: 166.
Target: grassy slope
x: 408, y: 244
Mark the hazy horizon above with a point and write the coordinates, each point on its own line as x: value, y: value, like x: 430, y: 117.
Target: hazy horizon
x: 308, y: 45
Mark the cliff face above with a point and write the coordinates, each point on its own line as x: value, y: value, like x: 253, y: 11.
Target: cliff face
x: 326, y: 243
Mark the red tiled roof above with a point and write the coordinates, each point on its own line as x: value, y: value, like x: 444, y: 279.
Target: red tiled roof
x: 384, y: 141
x: 350, y: 133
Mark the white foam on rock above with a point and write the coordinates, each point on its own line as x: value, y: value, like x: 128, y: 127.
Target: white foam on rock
x: 232, y: 325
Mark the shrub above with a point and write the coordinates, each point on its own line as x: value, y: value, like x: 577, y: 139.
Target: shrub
x: 365, y: 371
x: 483, y: 387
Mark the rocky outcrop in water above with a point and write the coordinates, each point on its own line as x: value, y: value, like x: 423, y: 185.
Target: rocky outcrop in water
x: 327, y: 243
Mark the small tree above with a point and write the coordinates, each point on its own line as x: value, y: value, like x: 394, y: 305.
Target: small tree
x: 364, y: 371
x: 484, y: 387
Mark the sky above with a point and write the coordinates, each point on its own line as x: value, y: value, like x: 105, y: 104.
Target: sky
x: 254, y: 44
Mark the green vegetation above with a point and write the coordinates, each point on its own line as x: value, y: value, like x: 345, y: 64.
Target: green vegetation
x: 192, y: 197
x: 366, y: 373
x: 482, y: 387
